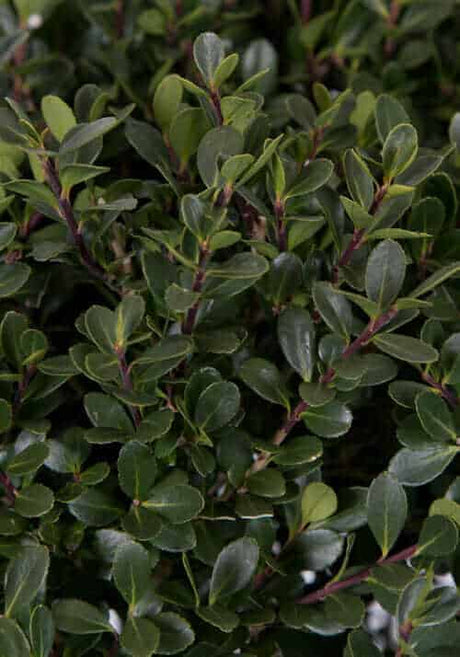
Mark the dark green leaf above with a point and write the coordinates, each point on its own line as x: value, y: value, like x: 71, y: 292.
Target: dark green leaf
x: 263, y: 377
x: 24, y: 577
x: 387, y: 510
x: 79, y: 617
x: 296, y: 334
x: 178, y: 504
x: 234, y: 569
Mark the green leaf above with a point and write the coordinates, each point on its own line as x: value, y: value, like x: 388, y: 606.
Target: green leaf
x: 333, y: 308
x: 131, y: 570
x: 263, y: 377
x: 78, y: 617
x: 13, y: 278
x: 101, y: 327
x: 319, y: 548
x: 316, y: 394
x: 359, y: 179
x: 386, y: 510
x: 34, y: 501
x: 179, y: 299
x: 234, y: 569
x: 163, y: 357
x: 178, y: 504
x: 446, y: 507
x: 435, y: 416
x: 7, y: 233
x: 128, y: 316
x: 167, y: 100
x: 266, y: 483
x: 253, y: 508
x: 13, y: 642
x: 299, y: 450
x: 285, y: 277
x: 344, y: 609
x: 176, y: 633
x: 41, y: 631
x: 415, y: 468
x: 29, y: 460
x: 34, y: 346
x: 385, y: 273
x: 95, y: 508
x: 208, y: 53
x: 84, y: 133
x: 318, y: 503
x: 58, y: 116
x: 153, y: 22
x: 217, y: 145
x: 217, y: 406
x: 406, y: 348
x: 399, y: 150
x: 136, y: 470
x: 240, y: 266
x: 296, y: 335
x: 329, y: 421
x: 225, y: 69
x: 438, y: 538
x: 75, y: 174
x: 270, y: 147
x: 142, y: 524
x: 360, y: 644
x: 220, y: 617
x: 24, y: 577
x: 186, y: 131
x: 105, y: 411
x: 388, y: 114
x: 140, y: 637
x: 317, y: 174
x: 436, y: 279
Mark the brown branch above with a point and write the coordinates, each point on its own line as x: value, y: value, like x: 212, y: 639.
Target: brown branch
x: 357, y: 578
x: 392, y: 21
x: 23, y: 384
x: 20, y: 90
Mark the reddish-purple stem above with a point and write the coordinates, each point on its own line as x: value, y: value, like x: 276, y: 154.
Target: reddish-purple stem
x: 127, y: 383
x: 10, y: 490
x: 280, y: 225
x: 120, y: 19
x: 197, y: 285
x: 306, y: 10
x: 215, y: 99
x: 357, y: 578
x: 443, y: 390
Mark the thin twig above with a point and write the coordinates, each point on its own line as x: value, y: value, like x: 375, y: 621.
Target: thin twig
x: 215, y: 99
x: 443, y: 390
x: 197, y: 286
x: 306, y: 10
x: 120, y: 19
x: 127, y: 383
x: 66, y: 212
x: 357, y: 578
x: 295, y: 416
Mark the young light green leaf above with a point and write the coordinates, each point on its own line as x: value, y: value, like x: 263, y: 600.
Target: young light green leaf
x: 208, y: 53
x: 128, y: 316
x: 167, y: 100
x: 318, y: 503
x: 58, y: 116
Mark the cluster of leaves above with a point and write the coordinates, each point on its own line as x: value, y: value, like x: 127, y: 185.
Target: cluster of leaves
x: 230, y: 369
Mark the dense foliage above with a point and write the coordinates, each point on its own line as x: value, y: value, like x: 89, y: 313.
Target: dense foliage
x: 229, y: 338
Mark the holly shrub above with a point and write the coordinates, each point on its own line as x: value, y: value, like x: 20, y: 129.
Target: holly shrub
x: 229, y: 339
